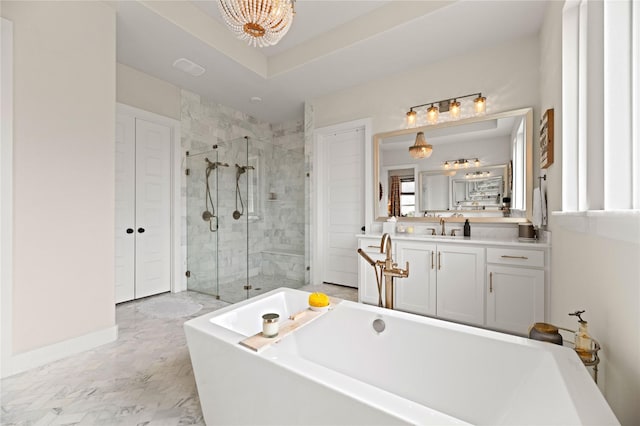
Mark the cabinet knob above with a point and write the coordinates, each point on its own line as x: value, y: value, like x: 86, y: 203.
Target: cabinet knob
x: 141, y: 230
x: 129, y: 231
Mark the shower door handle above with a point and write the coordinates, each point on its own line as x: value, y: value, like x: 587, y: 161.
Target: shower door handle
x: 141, y: 230
x: 129, y: 231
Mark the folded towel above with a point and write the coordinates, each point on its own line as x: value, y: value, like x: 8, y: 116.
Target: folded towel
x: 543, y: 204
x: 536, y: 218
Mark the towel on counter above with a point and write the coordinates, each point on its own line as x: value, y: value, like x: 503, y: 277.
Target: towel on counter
x: 539, y: 217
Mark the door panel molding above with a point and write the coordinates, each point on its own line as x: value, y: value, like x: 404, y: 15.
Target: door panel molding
x: 319, y: 237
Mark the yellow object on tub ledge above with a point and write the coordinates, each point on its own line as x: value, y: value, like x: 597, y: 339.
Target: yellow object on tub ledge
x: 318, y: 300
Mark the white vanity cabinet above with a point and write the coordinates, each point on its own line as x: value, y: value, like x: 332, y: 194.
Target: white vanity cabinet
x: 417, y: 292
x: 367, y: 285
x: 515, y: 288
x: 445, y: 280
x: 495, y: 284
x: 460, y: 290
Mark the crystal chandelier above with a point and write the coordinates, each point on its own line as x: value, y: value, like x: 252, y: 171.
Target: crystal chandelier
x: 421, y: 149
x: 260, y: 22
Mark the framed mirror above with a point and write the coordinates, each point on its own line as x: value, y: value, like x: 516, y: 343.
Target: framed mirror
x: 480, y: 167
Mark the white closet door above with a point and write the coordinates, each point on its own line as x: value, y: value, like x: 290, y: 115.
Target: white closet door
x: 153, y: 208
x: 125, y: 197
x: 343, y: 201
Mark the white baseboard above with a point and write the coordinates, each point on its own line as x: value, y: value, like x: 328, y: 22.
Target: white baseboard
x: 27, y: 360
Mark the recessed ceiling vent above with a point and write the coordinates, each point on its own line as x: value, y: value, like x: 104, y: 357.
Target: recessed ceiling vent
x: 189, y: 67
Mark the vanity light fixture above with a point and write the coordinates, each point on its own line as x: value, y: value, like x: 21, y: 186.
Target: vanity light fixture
x: 451, y: 105
x: 432, y: 114
x: 480, y: 104
x: 454, y: 109
x: 411, y: 118
x: 420, y: 149
x: 260, y: 22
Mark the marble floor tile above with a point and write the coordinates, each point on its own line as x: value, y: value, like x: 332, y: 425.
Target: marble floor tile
x: 143, y: 378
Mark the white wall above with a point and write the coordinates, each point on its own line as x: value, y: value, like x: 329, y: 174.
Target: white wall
x: 63, y: 171
x: 146, y: 92
x: 599, y: 274
x: 507, y: 75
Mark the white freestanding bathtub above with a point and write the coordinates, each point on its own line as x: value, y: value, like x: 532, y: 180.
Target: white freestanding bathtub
x: 418, y: 370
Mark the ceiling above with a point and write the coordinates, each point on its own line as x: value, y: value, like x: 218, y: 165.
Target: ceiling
x: 332, y: 45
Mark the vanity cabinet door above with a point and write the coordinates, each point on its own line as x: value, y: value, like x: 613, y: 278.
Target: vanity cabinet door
x: 515, y: 298
x: 367, y: 285
x: 417, y: 292
x: 460, y: 288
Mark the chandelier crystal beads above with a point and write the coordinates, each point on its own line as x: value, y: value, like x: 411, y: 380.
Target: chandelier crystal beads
x: 261, y: 22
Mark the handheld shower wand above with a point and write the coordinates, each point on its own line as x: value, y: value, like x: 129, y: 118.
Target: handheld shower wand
x: 209, y: 209
x: 240, y: 170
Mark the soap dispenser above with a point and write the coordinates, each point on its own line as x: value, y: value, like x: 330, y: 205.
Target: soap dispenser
x: 583, y: 344
x: 467, y: 228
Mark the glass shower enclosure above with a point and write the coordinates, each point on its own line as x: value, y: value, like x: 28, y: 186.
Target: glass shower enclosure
x: 245, y: 227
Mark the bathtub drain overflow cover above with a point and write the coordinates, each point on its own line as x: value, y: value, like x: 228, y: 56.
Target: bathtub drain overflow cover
x: 379, y: 325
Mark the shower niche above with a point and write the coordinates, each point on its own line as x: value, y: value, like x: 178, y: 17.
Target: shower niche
x: 241, y: 240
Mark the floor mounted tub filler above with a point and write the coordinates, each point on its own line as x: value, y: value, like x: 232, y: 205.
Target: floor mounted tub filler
x: 359, y: 364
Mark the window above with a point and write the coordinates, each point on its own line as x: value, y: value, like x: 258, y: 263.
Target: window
x: 402, y: 195
x: 601, y: 105
x: 407, y: 196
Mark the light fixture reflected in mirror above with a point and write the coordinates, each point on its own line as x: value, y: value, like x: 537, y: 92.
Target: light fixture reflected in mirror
x: 473, y: 175
x: 420, y: 149
x: 461, y: 162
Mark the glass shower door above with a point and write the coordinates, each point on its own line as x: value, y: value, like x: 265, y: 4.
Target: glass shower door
x: 233, y: 230
x: 202, y: 221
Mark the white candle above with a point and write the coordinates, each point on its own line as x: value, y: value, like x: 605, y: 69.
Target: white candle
x: 270, y: 325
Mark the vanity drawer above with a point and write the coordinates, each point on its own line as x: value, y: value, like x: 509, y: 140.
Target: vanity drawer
x: 512, y: 256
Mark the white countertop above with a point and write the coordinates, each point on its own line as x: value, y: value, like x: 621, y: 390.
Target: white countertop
x: 462, y: 240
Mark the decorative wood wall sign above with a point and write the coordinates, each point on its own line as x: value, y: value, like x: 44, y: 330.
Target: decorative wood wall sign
x: 546, y: 139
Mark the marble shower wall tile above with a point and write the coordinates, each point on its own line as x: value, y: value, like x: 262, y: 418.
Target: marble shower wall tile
x: 226, y: 257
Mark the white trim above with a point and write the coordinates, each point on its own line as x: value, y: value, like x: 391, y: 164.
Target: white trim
x: 635, y: 99
x: 6, y: 196
x: 316, y: 225
x: 177, y: 283
x: 570, y: 25
x: 46, y: 354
